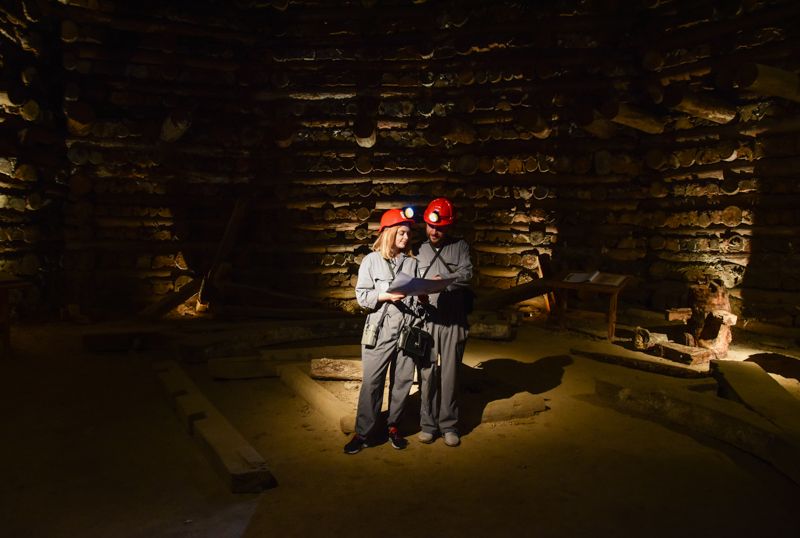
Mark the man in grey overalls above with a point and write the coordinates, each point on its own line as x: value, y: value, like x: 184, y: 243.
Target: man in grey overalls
x: 443, y: 257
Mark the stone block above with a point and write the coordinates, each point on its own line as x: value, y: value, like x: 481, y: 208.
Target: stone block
x: 709, y: 415
x: 747, y: 383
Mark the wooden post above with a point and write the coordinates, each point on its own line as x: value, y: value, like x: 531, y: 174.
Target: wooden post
x: 225, y: 247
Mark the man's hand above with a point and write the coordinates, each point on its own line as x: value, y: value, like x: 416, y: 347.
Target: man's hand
x: 423, y: 299
x: 437, y: 277
x: 393, y: 297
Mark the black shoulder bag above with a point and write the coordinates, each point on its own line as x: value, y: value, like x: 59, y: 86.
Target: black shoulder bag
x: 413, y: 340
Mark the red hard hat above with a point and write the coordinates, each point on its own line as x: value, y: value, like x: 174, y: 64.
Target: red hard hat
x: 439, y: 213
x: 393, y: 217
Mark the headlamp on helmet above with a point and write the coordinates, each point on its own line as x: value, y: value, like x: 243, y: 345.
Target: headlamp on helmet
x: 394, y: 217
x: 408, y: 213
x: 439, y: 213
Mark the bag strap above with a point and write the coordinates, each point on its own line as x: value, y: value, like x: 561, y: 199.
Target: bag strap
x: 386, y: 303
x: 438, y: 254
x: 383, y: 315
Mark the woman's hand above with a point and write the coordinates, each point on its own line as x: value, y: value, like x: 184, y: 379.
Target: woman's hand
x: 393, y: 297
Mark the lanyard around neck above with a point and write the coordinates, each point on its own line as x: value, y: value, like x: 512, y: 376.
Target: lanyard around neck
x: 438, y: 254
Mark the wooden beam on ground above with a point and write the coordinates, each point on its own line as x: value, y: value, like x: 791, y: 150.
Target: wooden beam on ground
x: 644, y: 339
x: 685, y: 354
x: 341, y: 369
x: 241, y: 340
x: 707, y: 414
x: 122, y: 339
x: 647, y: 364
x: 249, y: 367
x: 489, y: 329
x: 240, y: 312
x: 319, y: 398
x: 237, y: 462
x: 311, y: 353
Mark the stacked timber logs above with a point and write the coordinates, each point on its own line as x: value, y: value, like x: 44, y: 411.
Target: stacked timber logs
x: 31, y: 162
x: 562, y: 128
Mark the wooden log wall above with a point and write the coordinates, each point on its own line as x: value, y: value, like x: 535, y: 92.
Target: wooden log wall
x: 659, y: 139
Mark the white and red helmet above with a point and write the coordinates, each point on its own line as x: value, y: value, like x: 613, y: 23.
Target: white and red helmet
x: 439, y: 212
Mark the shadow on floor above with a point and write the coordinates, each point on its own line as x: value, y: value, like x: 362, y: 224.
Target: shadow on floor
x: 499, y: 379
x: 496, y: 379
x: 775, y: 363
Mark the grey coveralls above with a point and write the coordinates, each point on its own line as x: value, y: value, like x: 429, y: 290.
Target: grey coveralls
x: 449, y: 327
x: 374, y: 276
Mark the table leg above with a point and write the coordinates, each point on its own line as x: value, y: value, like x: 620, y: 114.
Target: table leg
x: 562, y: 310
x: 612, y: 316
x: 5, y: 325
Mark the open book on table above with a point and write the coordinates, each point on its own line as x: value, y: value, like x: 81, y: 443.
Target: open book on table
x: 596, y: 277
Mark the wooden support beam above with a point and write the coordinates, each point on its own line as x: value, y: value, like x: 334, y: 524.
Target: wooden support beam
x: 171, y: 300
x: 225, y: 247
x: 501, y: 298
x: 765, y: 80
x: 633, y: 116
x: 698, y: 104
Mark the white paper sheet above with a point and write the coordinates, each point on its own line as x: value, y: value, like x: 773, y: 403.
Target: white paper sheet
x: 418, y: 286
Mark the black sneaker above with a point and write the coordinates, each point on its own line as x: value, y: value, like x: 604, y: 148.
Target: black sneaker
x: 356, y: 445
x: 398, y: 441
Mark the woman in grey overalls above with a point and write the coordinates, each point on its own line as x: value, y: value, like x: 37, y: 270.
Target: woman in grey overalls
x: 391, y: 255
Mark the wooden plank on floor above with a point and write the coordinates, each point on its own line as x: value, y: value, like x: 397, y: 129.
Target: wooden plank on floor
x: 319, y: 398
x: 310, y: 353
x: 250, y: 367
x: 235, y: 460
x: 201, y: 348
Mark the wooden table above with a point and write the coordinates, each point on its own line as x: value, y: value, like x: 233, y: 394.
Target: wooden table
x: 7, y: 282
x: 563, y: 289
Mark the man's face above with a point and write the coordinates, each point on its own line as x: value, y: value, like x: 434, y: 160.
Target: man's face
x: 436, y: 234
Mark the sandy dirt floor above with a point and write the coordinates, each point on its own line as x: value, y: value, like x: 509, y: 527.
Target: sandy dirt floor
x: 92, y: 448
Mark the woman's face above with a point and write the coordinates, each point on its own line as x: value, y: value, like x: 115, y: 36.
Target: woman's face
x: 402, y: 238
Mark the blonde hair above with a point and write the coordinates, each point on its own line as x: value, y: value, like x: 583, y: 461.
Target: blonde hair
x: 386, y: 239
